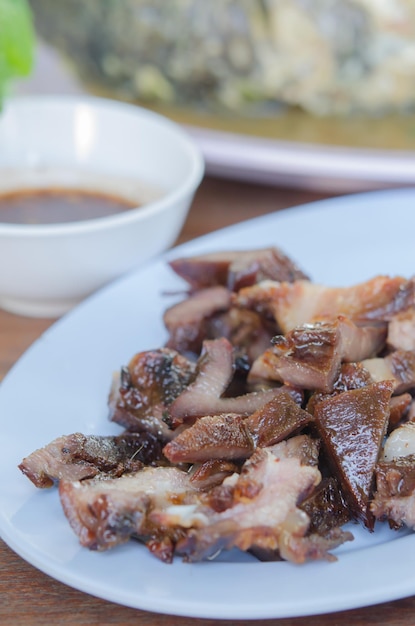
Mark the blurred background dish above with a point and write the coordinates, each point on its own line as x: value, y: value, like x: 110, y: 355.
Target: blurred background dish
x: 247, y: 57
x: 320, y: 93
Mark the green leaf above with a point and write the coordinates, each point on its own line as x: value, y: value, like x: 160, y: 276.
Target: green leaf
x: 16, y: 40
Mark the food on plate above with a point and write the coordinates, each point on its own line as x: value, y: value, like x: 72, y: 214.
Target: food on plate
x: 277, y: 411
x: 244, y: 56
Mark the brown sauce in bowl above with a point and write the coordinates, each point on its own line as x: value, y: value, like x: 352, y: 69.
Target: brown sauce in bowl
x: 58, y: 206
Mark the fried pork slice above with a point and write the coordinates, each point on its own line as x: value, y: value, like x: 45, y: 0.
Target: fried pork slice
x: 140, y: 397
x: 399, y: 367
x: 399, y: 409
x: 310, y: 356
x: 78, y: 456
x: 351, y: 376
x: 277, y: 420
x: 352, y: 426
x: 187, y: 321
x: 326, y: 507
x: 401, y: 330
x: 249, y: 333
x: 204, y: 395
x: 229, y: 437
x: 211, y: 437
x: 355, y: 376
x: 211, y: 473
x: 207, y: 314
x: 162, y: 506
x: 303, y: 302
x: 236, y: 269
x: 261, y: 510
x: 394, y: 498
x: 106, y: 512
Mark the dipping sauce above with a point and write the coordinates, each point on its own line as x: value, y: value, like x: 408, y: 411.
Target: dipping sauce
x: 57, y: 206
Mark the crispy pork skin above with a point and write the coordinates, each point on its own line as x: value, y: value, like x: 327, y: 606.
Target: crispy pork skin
x: 78, y: 456
x: 310, y: 356
x: 303, y: 302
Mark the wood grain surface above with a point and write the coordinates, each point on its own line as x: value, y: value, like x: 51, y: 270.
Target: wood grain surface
x: 29, y: 597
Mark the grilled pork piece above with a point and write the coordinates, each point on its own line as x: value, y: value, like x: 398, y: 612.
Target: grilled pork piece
x: 399, y: 409
x: 249, y: 334
x: 310, y: 356
x: 352, y: 425
x: 352, y: 376
x: 232, y: 437
x: 187, y: 321
x: 211, y: 437
x: 256, y: 480
x: 140, y: 398
x: 211, y: 473
x: 207, y: 314
x: 262, y: 512
x: 303, y: 302
x: 107, y: 512
x: 394, y: 499
x: 77, y: 456
x: 277, y: 420
x: 399, y: 367
x: 236, y: 269
x: 401, y: 330
x: 326, y: 507
x: 204, y: 395
x: 355, y: 376
x: 162, y: 506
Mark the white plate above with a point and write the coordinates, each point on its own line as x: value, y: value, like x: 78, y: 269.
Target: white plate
x: 60, y: 386
x: 320, y: 166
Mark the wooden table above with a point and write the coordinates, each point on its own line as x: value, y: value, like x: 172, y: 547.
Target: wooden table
x: 29, y: 597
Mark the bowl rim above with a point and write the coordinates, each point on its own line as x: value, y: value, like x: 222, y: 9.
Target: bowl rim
x: 152, y: 207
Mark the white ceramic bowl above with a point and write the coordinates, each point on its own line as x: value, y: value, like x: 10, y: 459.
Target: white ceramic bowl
x: 102, y: 144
